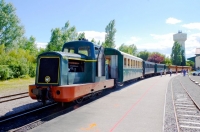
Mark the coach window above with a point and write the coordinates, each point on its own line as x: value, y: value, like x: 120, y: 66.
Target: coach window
x: 69, y: 50
x: 131, y: 63
x: 124, y: 62
x: 135, y: 64
x: 128, y: 62
x: 84, y: 50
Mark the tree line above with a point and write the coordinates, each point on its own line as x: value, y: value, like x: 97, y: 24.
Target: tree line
x: 18, y: 53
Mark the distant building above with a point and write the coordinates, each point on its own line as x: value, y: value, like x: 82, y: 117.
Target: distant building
x: 180, y: 38
x: 196, y: 59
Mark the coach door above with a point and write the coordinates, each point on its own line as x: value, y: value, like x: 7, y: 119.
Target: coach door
x: 101, y: 62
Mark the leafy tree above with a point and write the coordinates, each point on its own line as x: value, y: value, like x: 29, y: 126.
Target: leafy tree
x: 29, y: 45
x: 156, y: 57
x: 2, y: 49
x: 130, y: 49
x: 81, y: 35
x: 190, y: 63
x: 110, y: 35
x: 10, y: 28
x: 68, y: 33
x: 93, y: 41
x: 61, y: 36
x: 167, y: 61
x: 56, y: 42
x: 176, y: 56
x: 183, y: 63
x: 143, y: 54
x: 99, y: 43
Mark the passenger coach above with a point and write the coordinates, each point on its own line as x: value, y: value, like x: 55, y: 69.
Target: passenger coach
x: 123, y: 67
x: 148, y: 68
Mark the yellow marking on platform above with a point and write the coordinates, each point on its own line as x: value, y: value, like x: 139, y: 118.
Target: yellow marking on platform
x: 91, y: 127
x: 116, y: 105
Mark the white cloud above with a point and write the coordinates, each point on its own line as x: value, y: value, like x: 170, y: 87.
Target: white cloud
x: 191, y: 44
x: 164, y: 43
x: 160, y: 42
x: 192, y: 26
x: 98, y: 36
x: 41, y: 44
x: 172, y: 20
x: 132, y: 40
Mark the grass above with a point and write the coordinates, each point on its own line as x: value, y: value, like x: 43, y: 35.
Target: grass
x: 15, y: 85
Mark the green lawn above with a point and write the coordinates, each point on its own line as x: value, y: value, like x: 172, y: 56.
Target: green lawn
x: 15, y: 85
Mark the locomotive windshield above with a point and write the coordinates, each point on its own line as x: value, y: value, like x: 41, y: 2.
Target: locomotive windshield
x: 84, y: 50
x: 69, y: 49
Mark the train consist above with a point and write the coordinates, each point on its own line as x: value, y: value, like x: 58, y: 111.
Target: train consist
x: 84, y: 69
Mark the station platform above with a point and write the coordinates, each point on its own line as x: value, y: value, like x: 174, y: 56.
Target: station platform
x: 139, y: 107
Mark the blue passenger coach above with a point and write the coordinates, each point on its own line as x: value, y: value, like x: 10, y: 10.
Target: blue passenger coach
x: 148, y: 68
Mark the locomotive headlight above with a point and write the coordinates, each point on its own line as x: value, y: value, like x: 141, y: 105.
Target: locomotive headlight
x: 47, y: 79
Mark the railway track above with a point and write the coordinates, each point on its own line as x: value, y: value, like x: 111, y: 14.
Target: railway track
x: 13, y: 97
x: 187, y: 113
x: 36, y: 117
x: 11, y: 123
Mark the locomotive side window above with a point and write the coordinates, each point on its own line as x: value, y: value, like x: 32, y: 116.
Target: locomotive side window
x: 76, y: 66
x: 96, y: 51
x: 69, y: 49
x: 84, y: 50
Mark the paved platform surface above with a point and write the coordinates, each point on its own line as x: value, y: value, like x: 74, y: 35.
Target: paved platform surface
x: 135, y: 108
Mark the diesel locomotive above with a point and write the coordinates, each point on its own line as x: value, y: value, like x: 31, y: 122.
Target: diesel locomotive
x: 84, y: 69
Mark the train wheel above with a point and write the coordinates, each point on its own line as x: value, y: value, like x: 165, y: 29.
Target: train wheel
x: 92, y: 96
x: 100, y: 93
x: 120, y: 84
x: 44, y: 102
x: 79, y: 100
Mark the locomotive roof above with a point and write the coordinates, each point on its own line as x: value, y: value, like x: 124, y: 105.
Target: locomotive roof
x: 63, y: 54
x: 80, y: 43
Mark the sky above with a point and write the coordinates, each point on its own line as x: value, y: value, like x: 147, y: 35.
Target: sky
x: 149, y: 24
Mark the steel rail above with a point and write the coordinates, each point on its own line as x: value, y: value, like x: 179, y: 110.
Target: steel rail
x: 11, y: 96
x: 16, y: 116
x: 175, y: 113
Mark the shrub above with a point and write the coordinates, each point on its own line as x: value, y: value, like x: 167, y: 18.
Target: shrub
x: 5, y: 72
x: 32, y: 70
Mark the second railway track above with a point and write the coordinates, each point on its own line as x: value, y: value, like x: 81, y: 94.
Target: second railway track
x: 186, y: 111
x: 13, y: 97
